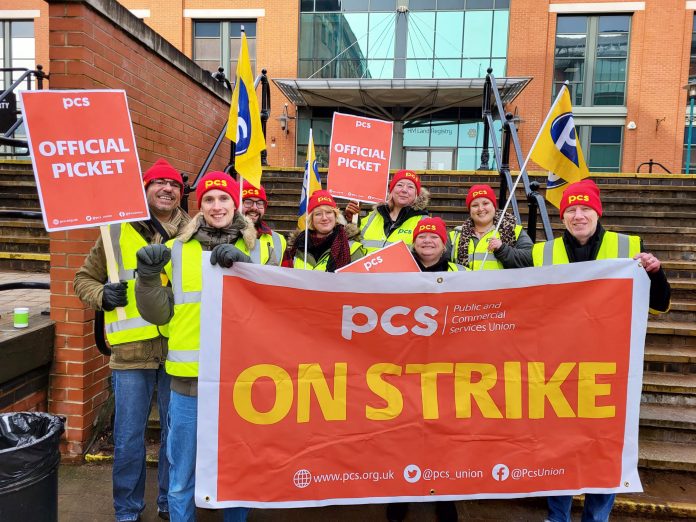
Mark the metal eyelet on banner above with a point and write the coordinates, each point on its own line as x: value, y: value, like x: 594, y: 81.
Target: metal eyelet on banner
x: 207, y: 499
x: 440, y: 279
x: 432, y: 491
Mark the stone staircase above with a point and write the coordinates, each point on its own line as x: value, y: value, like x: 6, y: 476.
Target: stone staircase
x: 659, y: 208
x: 24, y: 243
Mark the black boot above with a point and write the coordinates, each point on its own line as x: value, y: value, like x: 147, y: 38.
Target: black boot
x: 446, y: 511
x: 397, y: 512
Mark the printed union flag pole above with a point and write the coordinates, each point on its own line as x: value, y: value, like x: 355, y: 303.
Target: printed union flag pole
x: 244, y: 123
x: 556, y: 148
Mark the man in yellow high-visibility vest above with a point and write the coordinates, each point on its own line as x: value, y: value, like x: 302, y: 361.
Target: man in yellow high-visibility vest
x: 139, y: 349
x: 586, y: 240
x: 270, y: 245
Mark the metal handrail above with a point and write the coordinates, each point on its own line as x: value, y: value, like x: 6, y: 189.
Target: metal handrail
x: 534, y: 199
x: 650, y: 164
x: 6, y: 138
x: 265, y: 111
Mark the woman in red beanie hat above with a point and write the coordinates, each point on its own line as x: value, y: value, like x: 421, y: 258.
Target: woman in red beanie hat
x: 509, y: 248
x: 429, y: 246
x: 331, y: 243
x: 395, y: 219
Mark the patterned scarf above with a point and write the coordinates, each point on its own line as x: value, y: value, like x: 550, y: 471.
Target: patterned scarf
x: 336, y: 243
x: 506, y: 231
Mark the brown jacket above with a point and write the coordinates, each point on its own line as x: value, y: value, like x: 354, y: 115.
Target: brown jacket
x: 89, y: 286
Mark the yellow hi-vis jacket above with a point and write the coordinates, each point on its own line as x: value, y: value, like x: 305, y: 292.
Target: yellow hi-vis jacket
x: 323, y: 261
x: 374, y: 238
x: 268, y: 249
x: 126, y: 242
x: 185, y: 271
x: 613, y: 246
x: 478, y: 252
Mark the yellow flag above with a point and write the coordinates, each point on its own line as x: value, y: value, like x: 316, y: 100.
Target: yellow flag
x: 557, y: 149
x: 311, y: 182
x: 244, y: 123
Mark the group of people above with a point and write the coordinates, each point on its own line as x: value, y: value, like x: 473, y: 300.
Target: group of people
x: 160, y: 271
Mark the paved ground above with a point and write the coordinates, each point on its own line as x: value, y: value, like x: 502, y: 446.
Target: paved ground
x: 85, y: 496
x: 36, y: 300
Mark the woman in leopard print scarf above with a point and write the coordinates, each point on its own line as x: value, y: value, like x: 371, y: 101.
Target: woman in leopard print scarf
x: 510, y: 248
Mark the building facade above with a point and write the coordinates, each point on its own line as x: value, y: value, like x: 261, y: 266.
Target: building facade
x: 626, y: 63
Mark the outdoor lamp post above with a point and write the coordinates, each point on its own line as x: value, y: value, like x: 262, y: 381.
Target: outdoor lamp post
x: 691, y: 89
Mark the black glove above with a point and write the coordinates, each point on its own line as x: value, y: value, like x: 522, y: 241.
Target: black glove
x: 151, y: 259
x: 227, y: 255
x: 114, y: 295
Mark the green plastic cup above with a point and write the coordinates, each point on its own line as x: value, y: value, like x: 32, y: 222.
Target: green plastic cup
x: 21, y: 317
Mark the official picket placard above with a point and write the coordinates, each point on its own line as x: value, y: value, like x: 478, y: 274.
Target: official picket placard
x: 85, y: 158
x: 393, y: 258
x: 359, y: 158
x: 317, y: 389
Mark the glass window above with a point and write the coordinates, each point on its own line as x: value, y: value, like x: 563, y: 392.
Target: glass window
x: 382, y: 5
x: 443, y: 5
x: 479, y: 4
x: 604, y: 153
x: 381, y: 35
x: 448, y: 35
x: 592, y: 55
x: 355, y: 5
x: 209, y: 52
x: 421, y: 35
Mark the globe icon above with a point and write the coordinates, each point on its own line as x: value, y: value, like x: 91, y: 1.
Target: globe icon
x: 302, y: 478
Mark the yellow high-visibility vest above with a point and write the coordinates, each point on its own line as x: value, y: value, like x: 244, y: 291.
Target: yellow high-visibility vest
x: 261, y: 253
x: 185, y: 271
x: 374, y: 238
x: 478, y: 252
x: 323, y: 261
x: 614, y: 246
x: 126, y: 242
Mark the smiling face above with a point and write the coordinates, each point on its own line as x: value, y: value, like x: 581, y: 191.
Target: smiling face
x: 404, y: 193
x: 163, y: 196
x: 254, y: 208
x: 581, y: 222
x: 217, y: 208
x: 429, y: 248
x: 482, y: 212
x: 323, y: 219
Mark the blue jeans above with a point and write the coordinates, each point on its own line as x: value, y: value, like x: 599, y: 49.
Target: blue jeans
x: 597, y: 507
x: 181, y: 450
x: 132, y: 396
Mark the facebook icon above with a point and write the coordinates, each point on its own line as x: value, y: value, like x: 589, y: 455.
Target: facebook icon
x: 563, y: 136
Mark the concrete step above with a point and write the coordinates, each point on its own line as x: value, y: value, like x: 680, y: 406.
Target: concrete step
x: 676, y: 251
x: 22, y: 228
x: 24, y: 244
x: 670, y: 359
x: 668, y: 423
x: 666, y: 455
x: 13, y: 200
x: 683, y: 289
x: 27, y: 262
x: 17, y: 187
x: 670, y: 384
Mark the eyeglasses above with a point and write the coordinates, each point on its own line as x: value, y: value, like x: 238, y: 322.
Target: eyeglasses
x: 259, y: 203
x: 159, y: 183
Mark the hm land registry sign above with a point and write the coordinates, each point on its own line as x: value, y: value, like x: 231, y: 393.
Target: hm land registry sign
x: 85, y: 158
x: 419, y: 386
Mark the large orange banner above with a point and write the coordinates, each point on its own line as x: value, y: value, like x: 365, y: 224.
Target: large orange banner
x: 85, y: 158
x: 321, y: 389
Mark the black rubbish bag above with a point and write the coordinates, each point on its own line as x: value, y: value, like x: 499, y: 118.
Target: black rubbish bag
x: 29, y: 458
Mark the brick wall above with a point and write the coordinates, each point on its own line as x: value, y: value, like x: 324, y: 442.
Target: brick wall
x: 177, y: 112
x: 27, y: 392
x: 658, y: 67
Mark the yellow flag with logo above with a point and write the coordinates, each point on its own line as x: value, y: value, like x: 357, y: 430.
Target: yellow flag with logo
x: 244, y: 123
x: 311, y: 182
x: 557, y: 149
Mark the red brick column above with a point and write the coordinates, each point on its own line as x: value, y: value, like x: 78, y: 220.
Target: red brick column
x: 177, y: 112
